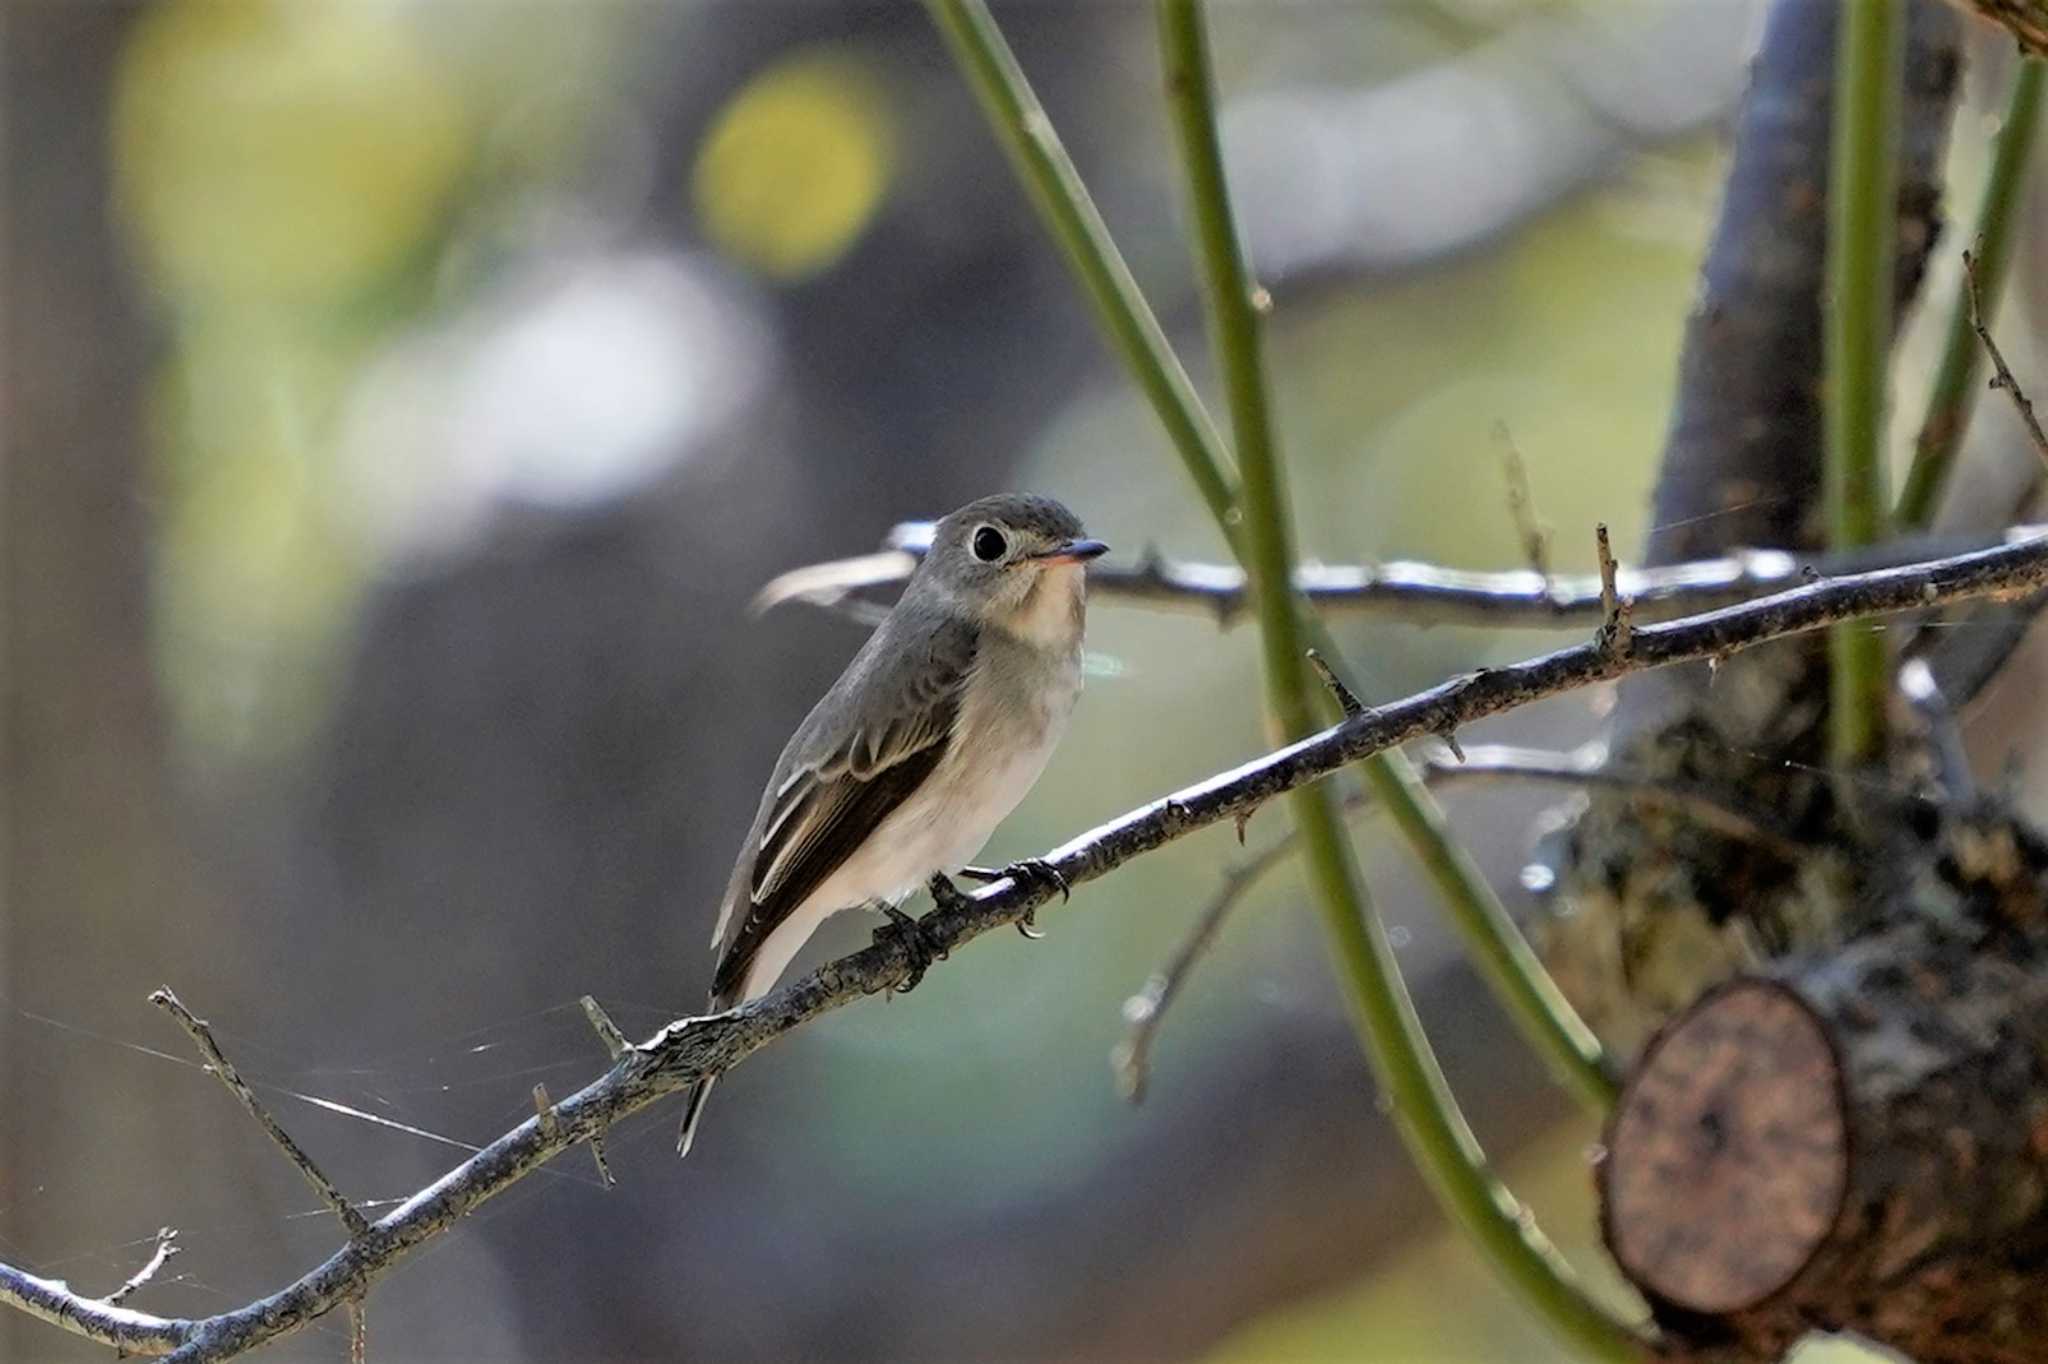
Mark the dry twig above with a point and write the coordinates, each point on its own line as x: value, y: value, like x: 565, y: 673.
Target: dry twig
x: 2001, y: 375
x: 202, y: 1036
x: 1347, y: 700
x: 166, y: 1238
x: 1617, y: 612
x: 1522, y: 506
x: 607, y: 1031
x: 1145, y: 1012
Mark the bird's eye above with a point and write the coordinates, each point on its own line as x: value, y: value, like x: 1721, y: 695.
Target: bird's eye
x: 989, y: 544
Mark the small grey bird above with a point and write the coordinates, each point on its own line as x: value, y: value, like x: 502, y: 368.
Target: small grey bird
x: 932, y: 735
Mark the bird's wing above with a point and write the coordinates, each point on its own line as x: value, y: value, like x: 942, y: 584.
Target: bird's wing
x: 832, y: 789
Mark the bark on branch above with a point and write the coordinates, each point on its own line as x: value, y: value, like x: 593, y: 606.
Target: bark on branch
x: 691, y: 1048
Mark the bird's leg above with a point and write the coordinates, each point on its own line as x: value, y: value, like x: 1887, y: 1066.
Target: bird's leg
x: 1028, y: 869
x: 919, y: 943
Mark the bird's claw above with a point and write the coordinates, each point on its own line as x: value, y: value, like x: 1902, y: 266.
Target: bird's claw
x: 1027, y: 869
x: 916, y: 940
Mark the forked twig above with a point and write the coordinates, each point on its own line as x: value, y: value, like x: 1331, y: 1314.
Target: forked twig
x: 166, y: 1247
x: 202, y: 1036
x: 2002, y: 375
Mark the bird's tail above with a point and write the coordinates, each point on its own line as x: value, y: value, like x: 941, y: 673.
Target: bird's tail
x: 693, y: 1109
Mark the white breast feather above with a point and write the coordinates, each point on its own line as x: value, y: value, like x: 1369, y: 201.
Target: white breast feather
x: 1017, y: 703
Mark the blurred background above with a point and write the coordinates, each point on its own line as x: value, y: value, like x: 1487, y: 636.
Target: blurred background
x: 403, y: 400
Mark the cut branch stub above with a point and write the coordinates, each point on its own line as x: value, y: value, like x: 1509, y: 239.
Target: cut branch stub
x: 1728, y: 1154
x: 1858, y: 1142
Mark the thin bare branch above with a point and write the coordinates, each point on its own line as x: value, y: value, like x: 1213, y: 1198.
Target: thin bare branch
x: 1145, y: 1012
x: 166, y: 1247
x: 202, y: 1036
x: 690, y: 1048
x: 1422, y: 594
x: 1130, y: 1061
x: 358, y: 1331
x: 2001, y: 376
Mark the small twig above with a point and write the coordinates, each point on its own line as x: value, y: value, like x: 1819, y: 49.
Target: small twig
x: 1522, y: 505
x: 1949, y: 396
x: 358, y: 1331
x: 165, y: 1249
x: 1919, y: 686
x: 544, y: 1109
x: 2001, y: 375
x: 1145, y: 1012
x: 604, y: 1168
x: 607, y: 1031
x: 1131, y: 1059
x: 1617, y: 612
x: 1346, y: 698
x: 202, y: 1036
x: 616, y: 1043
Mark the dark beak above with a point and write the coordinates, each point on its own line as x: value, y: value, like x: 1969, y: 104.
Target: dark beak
x: 1072, y: 552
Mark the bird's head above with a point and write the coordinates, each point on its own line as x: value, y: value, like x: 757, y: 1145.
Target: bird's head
x: 1014, y: 561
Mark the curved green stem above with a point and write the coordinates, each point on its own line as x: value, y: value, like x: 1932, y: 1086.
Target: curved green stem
x: 1510, y: 967
x: 1494, y: 941
x: 1956, y: 386
x: 1427, y: 1113
x: 1862, y: 195
x: 1425, y: 1109
x: 1056, y: 190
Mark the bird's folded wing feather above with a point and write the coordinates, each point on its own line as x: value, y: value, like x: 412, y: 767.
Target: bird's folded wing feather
x: 835, y: 786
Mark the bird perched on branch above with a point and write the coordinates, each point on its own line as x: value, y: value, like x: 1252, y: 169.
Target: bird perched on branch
x: 932, y: 735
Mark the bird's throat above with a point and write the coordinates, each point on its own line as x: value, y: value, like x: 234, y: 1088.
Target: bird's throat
x: 1053, y: 613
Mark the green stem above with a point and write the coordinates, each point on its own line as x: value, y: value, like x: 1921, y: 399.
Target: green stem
x: 1956, y: 386
x: 1493, y: 940
x: 1062, y: 201
x: 1862, y: 203
x: 1232, y: 311
x: 1512, y: 970
x: 1427, y: 1112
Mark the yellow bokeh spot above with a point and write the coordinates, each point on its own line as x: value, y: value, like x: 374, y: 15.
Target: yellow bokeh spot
x: 795, y: 165
x: 282, y: 150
